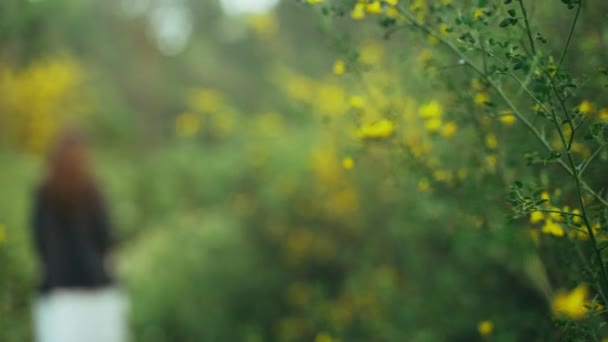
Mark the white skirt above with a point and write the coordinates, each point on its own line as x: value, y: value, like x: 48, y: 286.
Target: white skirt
x: 81, y: 315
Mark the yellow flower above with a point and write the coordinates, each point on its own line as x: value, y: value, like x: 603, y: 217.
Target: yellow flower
x: 507, y: 117
x: 433, y: 125
x: 392, y: 2
x: 430, y: 110
x: 358, y: 11
x: 571, y: 304
x: 264, y: 25
x: 443, y: 29
x: 478, y: 13
x: 443, y: 176
x: 393, y: 12
x: 205, y: 100
x: 314, y: 1
x: 586, y: 107
x: 356, y: 102
x: 481, y: 98
x: 323, y: 337
x: 485, y: 328
x: 576, y: 219
x: 603, y: 114
x: 490, y: 162
x: 374, y: 7
x: 348, y: 163
x: 553, y: 228
x: 423, y: 185
x: 187, y: 125
x: 449, y: 129
x: 545, y: 196
x: 379, y: 129
x: 2, y: 233
x: 339, y: 67
x: 536, y: 216
x: 462, y: 174
x: 477, y: 84
x: 491, y: 141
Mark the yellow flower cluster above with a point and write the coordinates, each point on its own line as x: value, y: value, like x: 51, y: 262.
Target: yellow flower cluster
x: 206, y: 108
x: 485, y: 328
x: 380, y: 129
x: 42, y: 98
x: 432, y: 113
x: 364, y: 7
x: 572, y: 304
x: 553, y: 221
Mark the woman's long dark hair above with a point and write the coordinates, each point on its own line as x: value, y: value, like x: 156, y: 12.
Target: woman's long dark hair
x: 69, y: 183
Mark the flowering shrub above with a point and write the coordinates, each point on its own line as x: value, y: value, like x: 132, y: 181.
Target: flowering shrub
x: 415, y: 171
x: 511, y: 94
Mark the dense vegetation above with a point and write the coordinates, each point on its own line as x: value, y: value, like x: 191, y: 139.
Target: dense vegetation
x: 328, y: 171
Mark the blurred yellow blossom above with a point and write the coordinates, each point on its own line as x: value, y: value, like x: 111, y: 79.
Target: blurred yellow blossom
x: 348, y: 163
x: 356, y: 102
x: 187, y: 124
x: 424, y: 185
x: 339, y: 67
x: 481, y: 98
x: 443, y: 29
x: 478, y: 13
x: 461, y: 174
x: 603, y: 114
x: 449, y: 129
x: 264, y: 25
x: 323, y: 337
x: 545, y: 195
x: 491, y: 141
x: 433, y: 125
x: 431, y: 109
x: 205, y: 100
x: 2, y: 233
x: 358, y: 11
x: 425, y: 57
x: 392, y: 2
x: 536, y: 216
x: 553, y: 228
x: 314, y: 1
x: 41, y: 99
x: 485, y: 328
x: 507, y: 117
x: 490, y: 162
x: 586, y: 107
x: 380, y: 129
x: 571, y: 304
x: 477, y: 84
x: 373, y: 7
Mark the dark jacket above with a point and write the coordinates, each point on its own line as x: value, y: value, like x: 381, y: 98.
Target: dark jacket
x: 72, y: 245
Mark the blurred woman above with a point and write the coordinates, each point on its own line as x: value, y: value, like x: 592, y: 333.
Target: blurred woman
x: 78, y: 299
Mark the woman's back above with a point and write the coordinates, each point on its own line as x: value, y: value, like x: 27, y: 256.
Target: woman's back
x: 72, y: 244
x: 78, y: 300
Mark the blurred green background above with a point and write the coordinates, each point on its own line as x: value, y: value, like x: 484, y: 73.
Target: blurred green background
x: 248, y: 202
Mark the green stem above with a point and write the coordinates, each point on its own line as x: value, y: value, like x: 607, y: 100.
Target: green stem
x: 570, y: 34
x: 525, y: 14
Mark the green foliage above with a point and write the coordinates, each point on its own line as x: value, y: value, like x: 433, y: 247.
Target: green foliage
x: 442, y: 181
